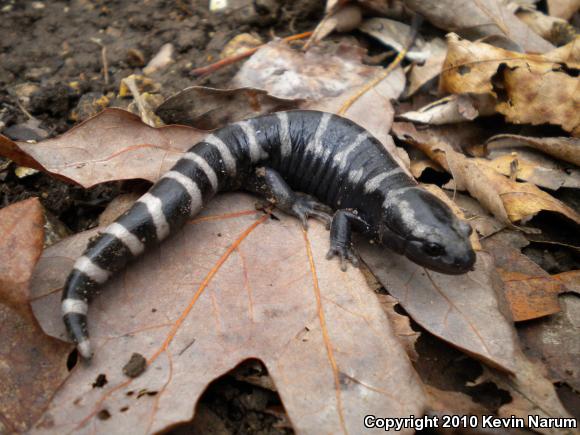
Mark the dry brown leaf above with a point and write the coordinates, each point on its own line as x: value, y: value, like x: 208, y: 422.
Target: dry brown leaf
x: 571, y: 280
x: 553, y: 29
x: 509, y: 201
x: 451, y: 109
x: 463, y: 310
x: 478, y: 19
x: 321, y: 333
x: 468, y: 311
x: 563, y: 8
x: 554, y: 340
x: 345, y: 18
x: 210, y: 108
x: 530, y: 291
x: 532, y: 89
x: 396, y: 35
x: 326, y: 76
x: 479, y: 218
x: 534, y: 167
x: 563, y: 148
x: 32, y: 364
x: 532, y: 394
x: 99, y: 149
x: 421, y: 74
x: 401, y: 325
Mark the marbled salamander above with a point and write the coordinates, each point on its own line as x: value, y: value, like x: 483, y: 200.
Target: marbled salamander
x: 327, y: 157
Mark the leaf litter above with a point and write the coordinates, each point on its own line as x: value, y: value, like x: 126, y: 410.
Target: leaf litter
x: 322, y: 334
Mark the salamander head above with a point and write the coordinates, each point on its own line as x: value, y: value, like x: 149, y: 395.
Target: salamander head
x: 420, y: 226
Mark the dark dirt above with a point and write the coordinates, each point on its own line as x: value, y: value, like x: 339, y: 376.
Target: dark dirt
x: 51, y: 61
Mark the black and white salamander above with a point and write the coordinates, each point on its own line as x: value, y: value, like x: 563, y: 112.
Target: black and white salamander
x: 327, y: 157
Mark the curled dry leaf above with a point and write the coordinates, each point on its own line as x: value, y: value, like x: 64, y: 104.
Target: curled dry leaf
x: 508, y: 200
x: 99, y: 149
x: 528, y: 88
x: 530, y: 291
x: 553, y: 29
x: 342, y: 19
x: 206, y: 300
x: 479, y: 218
x: 534, y: 167
x: 422, y: 74
x: 452, y: 109
x: 210, y: 108
x: 32, y: 364
x: 563, y: 148
x: 563, y: 8
x: 478, y: 19
x: 396, y: 35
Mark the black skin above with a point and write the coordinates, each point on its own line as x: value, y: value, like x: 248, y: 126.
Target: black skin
x: 267, y: 182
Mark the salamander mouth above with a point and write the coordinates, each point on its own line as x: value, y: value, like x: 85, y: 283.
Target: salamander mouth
x: 441, y: 264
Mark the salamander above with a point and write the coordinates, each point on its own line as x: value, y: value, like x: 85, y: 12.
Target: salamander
x: 309, y: 164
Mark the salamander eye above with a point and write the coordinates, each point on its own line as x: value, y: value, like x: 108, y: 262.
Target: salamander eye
x: 433, y: 249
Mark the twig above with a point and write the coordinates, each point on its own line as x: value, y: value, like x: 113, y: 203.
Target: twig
x: 103, y: 59
x: 236, y: 58
x: 371, y: 84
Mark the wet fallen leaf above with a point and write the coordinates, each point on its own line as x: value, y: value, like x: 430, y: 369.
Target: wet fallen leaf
x: 528, y: 88
x: 564, y: 148
x: 32, y: 364
x: 321, y: 333
x: 508, y: 200
x: 478, y: 19
x: 530, y: 291
x: 209, y: 108
x: 98, y: 149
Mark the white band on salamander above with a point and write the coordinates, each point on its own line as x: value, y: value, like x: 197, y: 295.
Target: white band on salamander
x: 191, y: 187
x: 224, y: 151
x: 94, y: 272
x: 374, y: 183
x: 75, y: 306
x: 256, y: 151
x: 285, y: 142
x: 155, y: 207
x: 130, y: 240
x: 205, y: 167
x: 84, y: 348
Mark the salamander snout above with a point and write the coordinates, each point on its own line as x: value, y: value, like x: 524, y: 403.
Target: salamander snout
x: 432, y: 236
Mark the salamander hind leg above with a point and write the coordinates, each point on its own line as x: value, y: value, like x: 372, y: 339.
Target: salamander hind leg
x: 269, y: 183
x: 341, y: 237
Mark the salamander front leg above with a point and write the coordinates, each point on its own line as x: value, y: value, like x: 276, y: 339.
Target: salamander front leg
x: 341, y: 237
x: 270, y: 183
